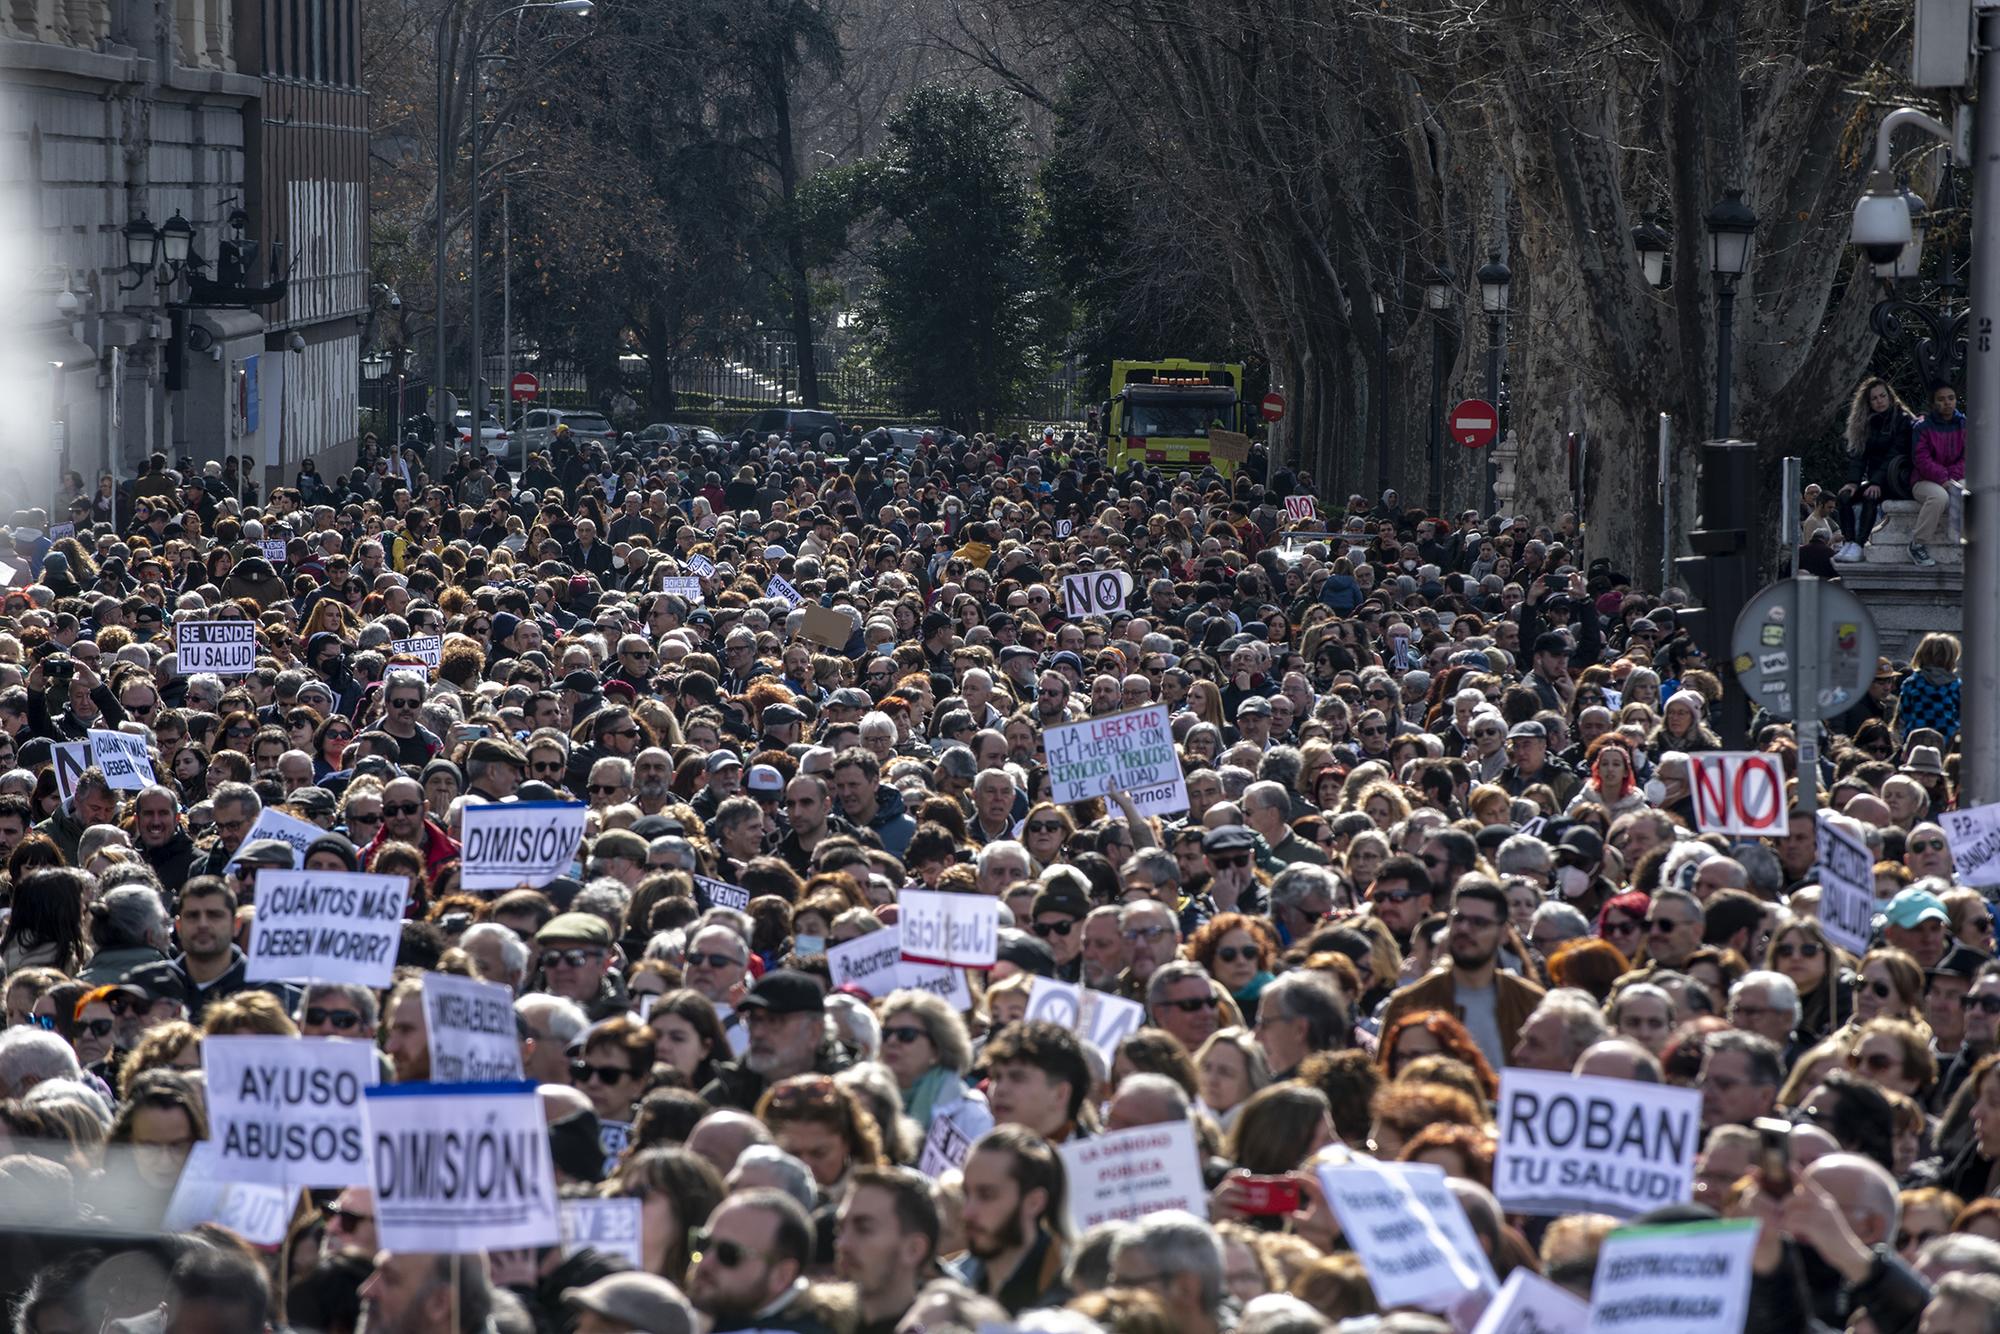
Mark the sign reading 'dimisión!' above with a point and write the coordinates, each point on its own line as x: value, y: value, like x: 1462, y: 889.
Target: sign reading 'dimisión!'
x: 1120, y: 752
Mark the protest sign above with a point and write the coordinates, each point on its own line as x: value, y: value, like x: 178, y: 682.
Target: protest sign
x: 1738, y: 792
x: 721, y: 894
x: 1129, y: 752
x: 461, y: 1168
x: 1409, y: 1260
x: 123, y: 758
x: 260, y: 1215
x: 473, y: 1037
x: 870, y: 962
x: 960, y: 929
x: 71, y: 759
x: 954, y: 1130
x: 1974, y: 835
x: 609, y: 1227
x: 683, y: 586
x: 1131, y: 1173
x: 326, y: 926
x: 948, y: 984
x: 1064, y: 527
x: 825, y: 626
x: 1099, y: 1018
x: 1095, y: 593
x: 515, y: 843
x: 7, y: 573
x: 287, y: 1111
x: 1581, y: 1144
x: 703, y: 567
x: 273, y: 549
x: 1846, y: 885
x: 1428, y: 1181
x: 288, y: 829
x: 781, y: 588
x: 427, y: 649
x: 61, y: 530
x: 613, y: 1137
x: 1530, y: 1304
x: 1300, y: 508
x: 1677, y: 1278
x: 1228, y: 446
x: 227, y: 648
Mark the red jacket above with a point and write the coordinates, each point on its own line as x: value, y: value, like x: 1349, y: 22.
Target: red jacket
x: 439, y: 848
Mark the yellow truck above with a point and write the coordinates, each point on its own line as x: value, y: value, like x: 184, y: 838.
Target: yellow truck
x: 1161, y: 412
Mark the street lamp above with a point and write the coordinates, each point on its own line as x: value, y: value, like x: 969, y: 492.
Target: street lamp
x: 176, y: 239
x: 1495, y: 279
x: 1652, y: 243
x: 1732, y: 229
x: 1382, y: 394
x: 1438, y: 293
x: 142, y: 250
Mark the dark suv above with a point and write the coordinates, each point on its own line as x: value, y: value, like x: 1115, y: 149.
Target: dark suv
x: 803, y: 423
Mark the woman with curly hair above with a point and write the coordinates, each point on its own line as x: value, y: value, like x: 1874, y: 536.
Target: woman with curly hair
x: 1433, y: 1033
x: 823, y: 1125
x: 1383, y: 802
x: 1612, y: 785
x: 1239, y: 951
x: 1466, y: 1152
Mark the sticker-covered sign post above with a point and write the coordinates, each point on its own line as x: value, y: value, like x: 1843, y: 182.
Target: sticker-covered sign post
x: 1581, y: 1144
x: 516, y: 843
x: 472, y: 1033
x: 1131, y: 1173
x: 1120, y: 752
x: 461, y: 1168
x: 326, y: 926
x: 288, y: 1111
x: 226, y: 648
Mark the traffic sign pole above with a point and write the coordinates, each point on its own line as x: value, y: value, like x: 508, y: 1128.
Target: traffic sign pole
x: 1805, y: 690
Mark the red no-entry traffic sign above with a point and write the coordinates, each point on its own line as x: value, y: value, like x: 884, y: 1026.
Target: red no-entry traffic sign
x: 524, y: 386
x: 1274, y: 406
x: 1474, y: 423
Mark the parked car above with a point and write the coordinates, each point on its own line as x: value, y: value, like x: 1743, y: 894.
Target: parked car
x: 803, y: 423
x: 497, y: 439
x: 539, y: 426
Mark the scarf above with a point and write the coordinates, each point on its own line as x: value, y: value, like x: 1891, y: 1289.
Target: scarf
x: 937, y: 1087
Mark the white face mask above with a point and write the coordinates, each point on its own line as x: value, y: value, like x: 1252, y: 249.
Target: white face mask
x: 1572, y: 881
x: 1656, y: 791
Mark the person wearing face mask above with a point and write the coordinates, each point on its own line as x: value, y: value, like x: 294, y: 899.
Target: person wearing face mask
x: 1578, y: 878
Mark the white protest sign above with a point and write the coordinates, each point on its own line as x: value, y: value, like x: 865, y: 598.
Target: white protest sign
x: 1678, y: 1278
x: 461, y: 1168
x: 1846, y: 885
x: 473, y: 1037
x: 1738, y: 792
x: 427, y: 649
x: 781, y: 589
x: 613, y: 1137
x: 1581, y: 1144
x: 1410, y: 1261
x: 702, y: 566
x: 289, y: 829
x: 273, y: 549
x: 722, y: 894
x: 1428, y: 1181
x: 954, y: 1130
x: 1530, y: 1304
x: 515, y: 843
x: 288, y: 1111
x: 870, y: 962
x: 260, y: 1215
x: 1129, y: 752
x: 958, y: 929
x: 71, y: 758
x: 123, y: 758
x: 326, y: 926
x: 1098, y: 1017
x: 1131, y: 1173
x: 609, y: 1227
x: 7, y: 573
x: 948, y: 984
x: 1095, y: 593
x: 227, y: 648
x: 1301, y: 508
x: 683, y: 586
x: 1974, y: 835
x: 61, y: 530
x: 1064, y: 527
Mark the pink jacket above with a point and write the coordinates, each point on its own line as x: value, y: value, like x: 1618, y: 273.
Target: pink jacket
x: 1939, y: 453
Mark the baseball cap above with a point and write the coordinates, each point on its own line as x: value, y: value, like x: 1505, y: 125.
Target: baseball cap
x: 849, y: 697
x: 764, y: 779
x: 1255, y: 704
x: 1913, y: 907
x: 785, y: 991
x: 1529, y: 728
x: 780, y: 715
x: 722, y: 759
x: 582, y: 682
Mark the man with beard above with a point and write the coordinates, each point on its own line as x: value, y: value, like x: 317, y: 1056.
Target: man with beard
x: 652, y: 772
x: 163, y: 844
x: 785, y: 1015
x: 752, y: 1270
x: 209, y: 967
x: 412, y: 1294
x: 408, y: 1045
x: 1491, y: 1004
x: 1013, y: 1212
x: 885, y: 1242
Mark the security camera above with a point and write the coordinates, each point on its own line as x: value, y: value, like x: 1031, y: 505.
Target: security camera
x: 295, y: 343
x: 1881, y: 222
x: 395, y: 300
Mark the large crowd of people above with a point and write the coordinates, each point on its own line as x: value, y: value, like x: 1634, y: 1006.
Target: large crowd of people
x: 1439, y: 827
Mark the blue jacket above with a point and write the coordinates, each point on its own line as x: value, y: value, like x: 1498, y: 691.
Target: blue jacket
x: 893, y: 823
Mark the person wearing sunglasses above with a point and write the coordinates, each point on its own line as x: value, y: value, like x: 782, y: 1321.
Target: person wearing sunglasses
x: 404, y: 821
x: 574, y: 958
x: 750, y: 1264
x: 1056, y: 918
x: 611, y: 1071
x: 338, y: 1010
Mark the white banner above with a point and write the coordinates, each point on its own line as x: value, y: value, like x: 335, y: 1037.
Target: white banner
x: 1974, y: 835
x: 287, y: 1111
x: 871, y: 962
x: 609, y: 1227
x: 1098, y: 1017
x: 1738, y: 792
x: 954, y: 1130
x: 1119, y: 752
x: 683, y: 586
x: 1131, y: 1173
x: 1582, y: 1144
x: 427, y: 649
x: 506, y: 845
x: 1846, y: 885
x: 326, y: 926
x: 227, y: 648
x: 461, y: 1168
x: 1095, y: 593
x: 123, y: 758
x: 274, y: 823
x: 1301, y: 508
x: 1409, y: 1259
x: 959, y: 929
x: 1678, y: 1278
x: 261, y: 1215
x: 722, y: 894
x: 473, y: 1037
x: 1428, y: 1181
x: 1530, y: 1304
x: 781, y: 589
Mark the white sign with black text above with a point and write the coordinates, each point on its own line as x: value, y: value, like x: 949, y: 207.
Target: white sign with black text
x: 1128, y: 1174
x: 226, y: 648
x: 1095, y: 593
x: 506, y: 845
x: 287, y: 829
x: 1974, y: 835
x: 326, y: 926
x: 1130, y: 752
x: 1409, y: 1259
x: 427, y: 649
x: 461, y: 1168
x: 288, y: 1111
x: 1738, y: 792
x: 123, y: 758
x: 958, y: 929
x: 1582, y: 1144
x: 609, y: 1227
x: 473, y: 1036
x: 1677, y: 1278
x: 1846, y: 884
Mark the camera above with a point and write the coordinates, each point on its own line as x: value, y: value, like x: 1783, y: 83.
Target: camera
x: 1881, y: 226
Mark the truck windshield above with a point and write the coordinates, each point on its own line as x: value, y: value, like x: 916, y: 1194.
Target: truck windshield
x: 1173, y: 420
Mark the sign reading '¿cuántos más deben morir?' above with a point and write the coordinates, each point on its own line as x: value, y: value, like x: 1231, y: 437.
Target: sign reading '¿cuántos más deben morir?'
x: 1121, y: 752
x: 1580, y: 1144
x: 326, y: 926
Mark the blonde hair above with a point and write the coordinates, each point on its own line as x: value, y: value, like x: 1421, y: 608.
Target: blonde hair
x: 1939, y: 651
